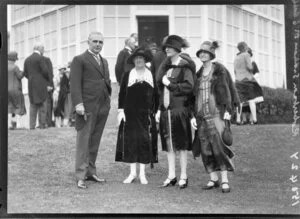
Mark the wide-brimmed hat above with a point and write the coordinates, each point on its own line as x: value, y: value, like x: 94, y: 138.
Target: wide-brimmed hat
x: 12, y: 56
x: 140, y: 51
x: 175, y: 42
x: 209, y: 47
x: 62, y: 67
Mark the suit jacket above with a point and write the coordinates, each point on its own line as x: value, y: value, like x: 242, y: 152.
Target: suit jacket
x: 49, y: 65
x: 156, y: 61
x: 122, y: 66
x: 89, y: 83
x: 37, y: 73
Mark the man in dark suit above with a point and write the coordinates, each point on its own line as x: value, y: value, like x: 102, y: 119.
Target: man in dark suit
x: 50, y: 89
x: 122, y: 66
x: 90, y: 94
x: 37, y: 73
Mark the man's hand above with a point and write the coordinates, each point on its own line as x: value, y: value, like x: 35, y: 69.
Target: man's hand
x: 165, y: 80
x: 121, y: 116
x: 49, y: 88
x: 157, y: 116
x: 80, y: 109
x: 194, y: 123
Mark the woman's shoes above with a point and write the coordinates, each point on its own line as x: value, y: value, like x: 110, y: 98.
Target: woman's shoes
x: 183, y: 183
x: 143, y: 179
x: 253, y: 122
x: 225, y: 189
x: 169, y: 181
x: 129, y: 179
x: 211, y: 184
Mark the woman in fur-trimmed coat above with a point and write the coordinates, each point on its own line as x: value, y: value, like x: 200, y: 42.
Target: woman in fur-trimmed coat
x: 175, y: 81
x: 215, y: 99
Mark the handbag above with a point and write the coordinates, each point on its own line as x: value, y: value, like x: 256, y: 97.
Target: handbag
x: 227, y: 134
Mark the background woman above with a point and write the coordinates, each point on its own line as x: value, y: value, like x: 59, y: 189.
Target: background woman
x: 175, y: 82
x: 138, y: 103
x: 215, y: 96
x: 249, y: 90
x: 16, y: 104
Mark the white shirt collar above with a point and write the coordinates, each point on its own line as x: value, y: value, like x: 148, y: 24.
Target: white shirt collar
x: 38, y: 52
x: 94, y: 54
x: 135, y: 78
x: 127, y: 47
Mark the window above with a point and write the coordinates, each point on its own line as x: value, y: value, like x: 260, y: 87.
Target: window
x: 19, y: 40
x: 50, y: 35
x: 248, y: 28
x: 215, y: 27
x: 18, y: 12
x: 87, y: 21
x: 276, y: 53
x: 33, y: 32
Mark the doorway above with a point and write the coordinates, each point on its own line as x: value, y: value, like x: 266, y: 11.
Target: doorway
x: 152, y: 29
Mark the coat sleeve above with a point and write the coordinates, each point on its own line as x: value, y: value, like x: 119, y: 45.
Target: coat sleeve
x: 185, y: 86
x: 50, y: 67
x: 44, y: 68
x: 76, y: 81
x: 123, y: 91
x: 25, y: 69
x: 248, y: 62
x: 19, y: 73
x: 119, y: 66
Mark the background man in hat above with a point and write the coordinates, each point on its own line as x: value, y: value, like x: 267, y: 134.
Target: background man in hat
x: 90, y: 93
x: 122, y: 66
x: 37, y: 72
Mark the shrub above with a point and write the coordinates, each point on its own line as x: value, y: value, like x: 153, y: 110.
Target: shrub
x: 277, y: 106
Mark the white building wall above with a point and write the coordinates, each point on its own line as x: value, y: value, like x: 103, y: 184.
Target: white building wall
x: 64, y: 30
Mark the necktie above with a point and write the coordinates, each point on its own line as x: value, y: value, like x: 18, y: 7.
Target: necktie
x: 97, y: 59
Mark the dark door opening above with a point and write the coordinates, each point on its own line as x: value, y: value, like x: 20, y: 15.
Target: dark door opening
x: 152, y: 29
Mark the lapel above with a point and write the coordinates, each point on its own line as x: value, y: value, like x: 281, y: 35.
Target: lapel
x: 92, y: 60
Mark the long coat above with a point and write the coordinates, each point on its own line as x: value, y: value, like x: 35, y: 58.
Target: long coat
x: 89, y: 84
x: 175, y: 120
x: 225, y: 93
x: 137, y: 137
x: 122, y: 66
x: 16, y: 102
x: 37, y: 73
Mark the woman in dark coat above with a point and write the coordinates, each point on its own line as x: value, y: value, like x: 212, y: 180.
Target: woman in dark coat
x: 16, y: 103
x: 138, y: 103
x: 175, y: 83
x: 62, y: 108
x: 215, y: 97
x: 249, y: 90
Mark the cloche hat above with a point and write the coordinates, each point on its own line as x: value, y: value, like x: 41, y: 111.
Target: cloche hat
x: 209, y: 47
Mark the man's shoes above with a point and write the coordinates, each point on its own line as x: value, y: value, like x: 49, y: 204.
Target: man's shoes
x: 81, y: 184
x: 95, y: 178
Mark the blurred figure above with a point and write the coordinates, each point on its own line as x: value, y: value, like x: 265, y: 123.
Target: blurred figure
x: 248, y: 89
x: 62, y: 109
x: 16, y: 104
x: 136, y: 38
x: 37, y: 73
x: 158, y: 58
x: 122, y: 66
x: 50, y: 89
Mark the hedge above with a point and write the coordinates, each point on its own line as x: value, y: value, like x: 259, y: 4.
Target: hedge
x: 277, y: 106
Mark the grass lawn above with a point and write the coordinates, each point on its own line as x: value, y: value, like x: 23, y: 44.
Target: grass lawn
x: 41, y: 176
